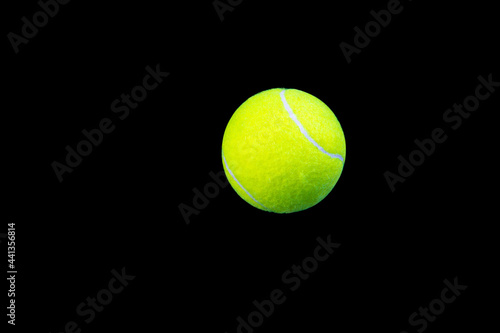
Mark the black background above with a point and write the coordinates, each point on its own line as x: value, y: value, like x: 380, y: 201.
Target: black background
x: 120, y: 207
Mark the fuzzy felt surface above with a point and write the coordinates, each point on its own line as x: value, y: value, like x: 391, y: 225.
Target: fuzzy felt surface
x: 270, y: 163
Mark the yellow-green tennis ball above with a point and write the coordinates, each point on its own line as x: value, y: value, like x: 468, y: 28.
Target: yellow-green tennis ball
x: 283, y: 150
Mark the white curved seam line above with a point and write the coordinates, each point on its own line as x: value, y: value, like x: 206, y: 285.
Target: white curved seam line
x: 303, y: 130
x: 236, y: 180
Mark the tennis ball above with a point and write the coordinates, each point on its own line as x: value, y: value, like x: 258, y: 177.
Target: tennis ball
x: 283, y: 150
